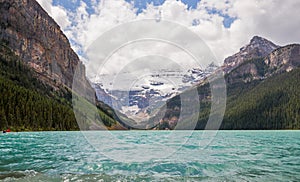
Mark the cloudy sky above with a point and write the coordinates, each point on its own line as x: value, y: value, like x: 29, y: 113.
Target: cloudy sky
x: 225, y: 26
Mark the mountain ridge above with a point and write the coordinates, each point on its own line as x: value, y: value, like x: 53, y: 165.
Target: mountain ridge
x: 38, y: 40
x: 257, y: 48
x: 261, y: 94
x: 39, y: 65
x: 140, y: 101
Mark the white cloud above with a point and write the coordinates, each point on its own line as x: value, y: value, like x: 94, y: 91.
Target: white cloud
x: 58, y: 13
x: 273, y: 19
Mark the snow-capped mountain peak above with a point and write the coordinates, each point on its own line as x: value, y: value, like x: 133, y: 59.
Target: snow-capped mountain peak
x: 146, y: 95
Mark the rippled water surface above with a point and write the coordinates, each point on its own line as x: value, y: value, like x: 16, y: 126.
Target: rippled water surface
x: 230, y: 156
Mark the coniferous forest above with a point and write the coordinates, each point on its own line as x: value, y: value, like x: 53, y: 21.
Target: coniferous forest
x: 28, y: 104
x: 268, y: 104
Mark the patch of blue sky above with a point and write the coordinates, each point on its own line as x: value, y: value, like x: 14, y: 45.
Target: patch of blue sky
x: 79, y: 50
x: 192, y: 4
x: 72, y: 5
x: 140, y: 5
x: 228, y: 20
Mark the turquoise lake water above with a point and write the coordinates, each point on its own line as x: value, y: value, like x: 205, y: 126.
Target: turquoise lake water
x: 97, y: 156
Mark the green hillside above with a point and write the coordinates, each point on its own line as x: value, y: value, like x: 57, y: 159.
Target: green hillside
x: 273, y: 103
x: 27, y: 104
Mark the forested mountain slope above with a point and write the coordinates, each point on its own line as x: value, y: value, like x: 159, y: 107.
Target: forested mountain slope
x: 27, y: 103
x: 262, y: 93
x: 36, y: 73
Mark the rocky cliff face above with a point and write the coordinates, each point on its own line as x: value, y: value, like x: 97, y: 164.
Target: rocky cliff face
x: 262, y: 91
x: 284, y: 59
x: 144, y: 99
x: 46, y: 49
x: 257, y: 48
x: 245, y: 73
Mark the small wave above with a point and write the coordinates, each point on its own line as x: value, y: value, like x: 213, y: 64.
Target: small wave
x: 124, y: 178
x: 16, y: 174
x: 26, y: 176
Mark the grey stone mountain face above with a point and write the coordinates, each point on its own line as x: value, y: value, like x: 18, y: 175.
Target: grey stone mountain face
x: 46, y: 49
x: 148, y: 97
x: 258, y: 47
x: 261, y: 59
x: 284, y: 59
x: 272, y: 59
x: 277, y: 59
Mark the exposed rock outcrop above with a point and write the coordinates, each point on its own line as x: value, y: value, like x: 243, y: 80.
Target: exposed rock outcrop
x: 284, y: 59
x: 262, y: 91
x: 245, y: 73
x: 46, y: 49
x: 257, y: 48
